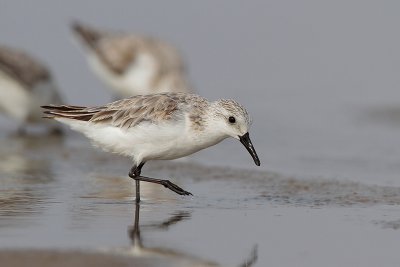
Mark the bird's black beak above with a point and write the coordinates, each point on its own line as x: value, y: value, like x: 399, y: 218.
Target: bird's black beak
x: 245, y: 140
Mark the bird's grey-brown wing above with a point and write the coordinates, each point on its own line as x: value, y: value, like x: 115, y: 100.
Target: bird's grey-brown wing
x: 22, y: 67
x: 70, y: 112
x: 87, y: 34
x: 169, y: 58
x: 118, y: 52
x: 130, y: 112
x: 115, y: 50
x: 126, y: 113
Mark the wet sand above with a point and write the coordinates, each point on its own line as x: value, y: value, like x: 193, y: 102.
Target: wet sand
x: 66, y: 200
x: 78, y: 258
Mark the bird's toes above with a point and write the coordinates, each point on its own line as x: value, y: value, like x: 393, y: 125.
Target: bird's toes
x: 186, y: 193
x: 176, y: 188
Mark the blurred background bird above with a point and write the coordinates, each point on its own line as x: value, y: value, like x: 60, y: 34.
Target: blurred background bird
x: 25, y: 85
x: 132, y: 64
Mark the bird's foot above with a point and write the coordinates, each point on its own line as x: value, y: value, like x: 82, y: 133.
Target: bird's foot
x: 175, y: 188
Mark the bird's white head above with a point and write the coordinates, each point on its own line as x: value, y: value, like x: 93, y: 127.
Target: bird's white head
x: 231, y: 118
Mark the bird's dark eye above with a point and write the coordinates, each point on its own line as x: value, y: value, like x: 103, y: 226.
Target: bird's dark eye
x: 232, y: 119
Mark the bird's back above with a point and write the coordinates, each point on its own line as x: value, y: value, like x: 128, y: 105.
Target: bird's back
x: 25, y: 84
x: 22, y: 67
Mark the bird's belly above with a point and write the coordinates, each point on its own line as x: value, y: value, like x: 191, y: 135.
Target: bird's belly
x: 167, y: 150
x: 145, y: 141
x: 113, y: 80
x: 14, y: 99
x: 177, y: 147
x: 134, y: 81
x: 163, y: 148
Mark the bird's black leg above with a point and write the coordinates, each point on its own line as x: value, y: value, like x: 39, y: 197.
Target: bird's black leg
x: 135, y: 174
x: 166, y: 183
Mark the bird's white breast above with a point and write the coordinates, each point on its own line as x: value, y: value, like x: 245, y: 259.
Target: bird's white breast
x: 146, y: 141
x: 135, y: 80
x: 14, y: 98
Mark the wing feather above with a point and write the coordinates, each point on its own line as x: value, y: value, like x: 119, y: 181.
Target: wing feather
x: 23, y: 67
x: 133, y: 111
x: 130, y: 112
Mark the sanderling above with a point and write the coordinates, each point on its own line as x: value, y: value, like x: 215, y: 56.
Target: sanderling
x: 131, y: 64
x: 25, y: 85
x: 158, y: 127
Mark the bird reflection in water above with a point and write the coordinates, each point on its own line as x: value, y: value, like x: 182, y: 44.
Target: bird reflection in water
x: 138, y: 248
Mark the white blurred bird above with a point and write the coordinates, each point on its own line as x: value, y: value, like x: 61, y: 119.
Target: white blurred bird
x: 25, y: 85
x: 131, y: 64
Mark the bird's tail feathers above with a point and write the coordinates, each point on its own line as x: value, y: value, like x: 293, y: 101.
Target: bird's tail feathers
x: 89, y: 35
x: 69, y: 112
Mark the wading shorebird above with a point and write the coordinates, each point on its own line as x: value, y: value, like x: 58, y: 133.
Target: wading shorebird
x: 158, y: 127
x: 25, y: 85
x: 131, y: 64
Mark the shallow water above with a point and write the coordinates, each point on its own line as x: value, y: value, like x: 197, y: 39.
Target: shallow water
x: 77, y: 197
